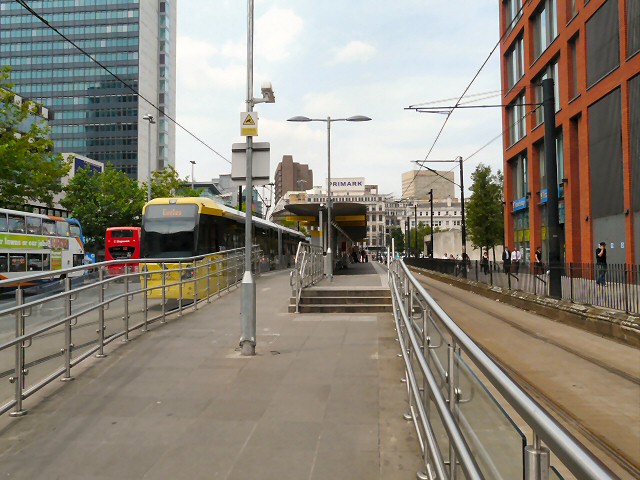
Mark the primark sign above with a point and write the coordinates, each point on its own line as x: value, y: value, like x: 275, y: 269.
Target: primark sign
x: 353, y: 184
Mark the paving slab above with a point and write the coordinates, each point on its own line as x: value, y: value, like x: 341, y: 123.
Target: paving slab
x: 321, y: 399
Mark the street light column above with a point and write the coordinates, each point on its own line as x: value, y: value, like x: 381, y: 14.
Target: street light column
x: 193, y: 164
x: 329, y: 260
x: 151, y: 120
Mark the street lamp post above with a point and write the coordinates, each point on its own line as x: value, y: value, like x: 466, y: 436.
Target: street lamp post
x: 193, y: 163
x: 328, y: 120
x: 415, y: 220
x: 431, y: 202
x: 151, y: 120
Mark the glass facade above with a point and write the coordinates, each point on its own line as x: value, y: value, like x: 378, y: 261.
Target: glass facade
x: 95, y: 112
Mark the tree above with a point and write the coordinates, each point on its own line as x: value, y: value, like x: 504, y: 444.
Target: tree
x: 107, y: 199
x: 30, y: 171
x: 485, y: 224
x: 167, y: 183
x: 423, y: 231
x: 398, y: 235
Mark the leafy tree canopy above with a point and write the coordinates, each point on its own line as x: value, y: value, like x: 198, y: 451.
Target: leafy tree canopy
x: 167, y: 183
x: 30, y: 171
x: 397, y: 234
x: 107, y: 199
x: 484, y: 211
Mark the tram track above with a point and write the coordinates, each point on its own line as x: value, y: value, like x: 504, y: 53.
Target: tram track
x: 564, y: 415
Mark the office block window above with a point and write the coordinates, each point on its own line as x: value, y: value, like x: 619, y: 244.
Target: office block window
x: 515, y: 62
x: 513, y: 12
x: 519, y: 176
x: 516, y: 116
x: 603, y: 42
x: 550, y: 71
x: 545, y: 27
x: 573, y: 67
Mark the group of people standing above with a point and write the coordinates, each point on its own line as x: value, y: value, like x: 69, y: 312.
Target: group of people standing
x: 359, y: 256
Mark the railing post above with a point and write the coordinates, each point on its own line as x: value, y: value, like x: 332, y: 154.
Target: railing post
x: 626, y: 291
x: 19, y: 373
x: 163, y: 267
x: 181, y: 280
x: 125, y: 339
x: 195, y: 285
x: 451, y: 379
x: 67, y: 331
x: 209, y: 279
x: 571, y: 281
x: 145, y: 297
x: 101, y: 325
x: 536, y: 461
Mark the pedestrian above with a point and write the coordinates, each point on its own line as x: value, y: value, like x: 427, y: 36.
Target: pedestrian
x: 538, y: 267
x: 354, y: 254
x: 363, y: 255
x: 516, y: 256
x: 485, y: 263
x: 601, y: 265
x: 445, y: 256
x: 506, y: 260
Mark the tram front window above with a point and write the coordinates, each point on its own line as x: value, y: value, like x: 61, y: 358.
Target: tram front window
x: 168, y: 231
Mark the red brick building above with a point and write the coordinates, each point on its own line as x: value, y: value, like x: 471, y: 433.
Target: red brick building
x: 591, y: 48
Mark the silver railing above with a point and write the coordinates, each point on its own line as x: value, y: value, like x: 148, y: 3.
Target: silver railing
x: 307, y: 271
x: 47, y: 330
x: 462, y: 430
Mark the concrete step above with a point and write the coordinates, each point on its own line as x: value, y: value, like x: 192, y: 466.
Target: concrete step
x: 382, y: 292
x: 353, y: 308
x: 343, y: 300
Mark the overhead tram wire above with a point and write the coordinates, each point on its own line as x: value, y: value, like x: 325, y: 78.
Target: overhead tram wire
x: 500, y: 135
x: 26, y: 6
x: 507, y: 31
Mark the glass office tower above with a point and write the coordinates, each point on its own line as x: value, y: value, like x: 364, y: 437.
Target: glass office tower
x: 95, y: 114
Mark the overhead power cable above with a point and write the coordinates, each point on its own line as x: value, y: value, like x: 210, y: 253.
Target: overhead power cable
x: 507, y: 30
x: 26, y: 6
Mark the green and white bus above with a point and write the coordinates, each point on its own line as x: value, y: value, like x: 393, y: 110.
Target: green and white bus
x: 31, y: 243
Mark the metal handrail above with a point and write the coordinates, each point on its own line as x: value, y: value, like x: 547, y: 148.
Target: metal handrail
x: 307, y: 271
x: 566, y: 447
x: 219, y: 270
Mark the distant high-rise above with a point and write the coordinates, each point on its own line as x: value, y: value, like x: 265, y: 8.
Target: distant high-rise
x: 417, y: 183
x: 96, y: 115
x: 291, y: 176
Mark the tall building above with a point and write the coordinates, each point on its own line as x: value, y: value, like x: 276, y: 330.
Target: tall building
x: 291, y: 176
x: 96, y: 115
x: 417, y: 183
x: 590, y: 49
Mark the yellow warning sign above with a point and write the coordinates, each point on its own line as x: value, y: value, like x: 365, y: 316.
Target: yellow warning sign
x: 249, y: 124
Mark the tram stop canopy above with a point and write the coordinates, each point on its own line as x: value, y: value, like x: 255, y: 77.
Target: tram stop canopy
x: 349, y: 218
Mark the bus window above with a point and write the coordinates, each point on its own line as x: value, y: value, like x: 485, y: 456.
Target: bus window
x: 62, y: 228
x: 17, y: 262
x: 34, y: 225
x: 3, y: 222
x: 3, y: 262
x: 34, y: 262
x: 122, y: 233
x: 48, y: 227
x: 46, y: 262
x: 75, y: 230
x: 16, y: 224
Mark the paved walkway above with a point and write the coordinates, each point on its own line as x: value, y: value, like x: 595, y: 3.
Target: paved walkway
x: 322, y: 399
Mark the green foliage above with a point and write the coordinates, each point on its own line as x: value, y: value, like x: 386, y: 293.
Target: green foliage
x: 484, y: 211
x: 107, y: 199
x: 30, y: 171
x: 166, y: 183
x: 423, y: 231
x: 397, y: 234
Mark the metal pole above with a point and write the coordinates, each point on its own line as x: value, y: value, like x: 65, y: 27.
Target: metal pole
x: 431, y: 202
x: 415, y: 217
x: 463, y: 223
x: 248, y: 337
x: 193, y: 164
x: 329, y: 250
x: 151, y: 120
x: 553, y: 222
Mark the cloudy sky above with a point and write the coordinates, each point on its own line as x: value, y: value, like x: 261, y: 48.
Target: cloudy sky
x: 339, y: 58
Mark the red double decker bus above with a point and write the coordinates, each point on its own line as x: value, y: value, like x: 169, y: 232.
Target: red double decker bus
x: 122, y: 243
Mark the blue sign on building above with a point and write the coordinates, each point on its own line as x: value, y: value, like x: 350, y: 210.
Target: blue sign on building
x: 520, y: 204
x: 78, y: 163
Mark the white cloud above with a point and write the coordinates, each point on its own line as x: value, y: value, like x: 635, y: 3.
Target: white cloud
x: 354, y: 51
x: 276, y: 34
